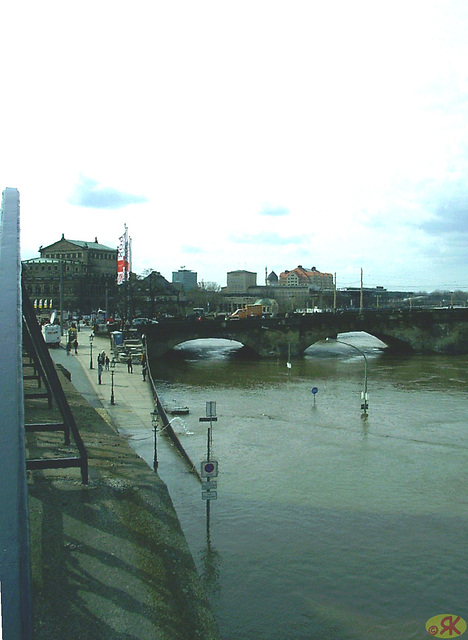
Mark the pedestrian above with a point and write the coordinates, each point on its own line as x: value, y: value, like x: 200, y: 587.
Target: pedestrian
x: 68, y: 347
x: 129, y: 364
x: 143, y: 372
x: 75, y: 344
x: 99, y: 372
x: 107, y: 363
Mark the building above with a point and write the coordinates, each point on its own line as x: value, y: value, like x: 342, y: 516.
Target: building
x: 302, y: 289
x: 239, y: 281
x: 311, y: 278
x: 185, y: 279
x: 82, y: 273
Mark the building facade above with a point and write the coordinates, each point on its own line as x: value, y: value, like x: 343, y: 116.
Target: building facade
x: 239, y: 281
x: 315, y: 280
x: 185, y: 279
x: 80, y: 275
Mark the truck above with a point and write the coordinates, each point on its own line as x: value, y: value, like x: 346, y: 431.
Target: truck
x: 52, y: 334
x: 249, y: 311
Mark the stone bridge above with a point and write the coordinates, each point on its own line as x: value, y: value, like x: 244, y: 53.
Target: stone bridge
x: 443, y: 331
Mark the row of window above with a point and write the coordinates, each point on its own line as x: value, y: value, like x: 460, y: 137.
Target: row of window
x: 78, y: 256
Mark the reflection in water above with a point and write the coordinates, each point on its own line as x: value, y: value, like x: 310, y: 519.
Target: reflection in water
x: 326, y: 525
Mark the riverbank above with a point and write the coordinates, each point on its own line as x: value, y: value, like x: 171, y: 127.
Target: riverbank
x: 109, y: 559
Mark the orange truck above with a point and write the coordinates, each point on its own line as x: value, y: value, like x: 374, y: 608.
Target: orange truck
x: 249, y: 311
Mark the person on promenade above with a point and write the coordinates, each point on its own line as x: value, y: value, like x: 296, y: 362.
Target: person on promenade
x: 129, y: 364
x: 143, y: 371
x: 99, y: 371
x: 68, y: 347
x: 75, y: 344
x: 107, y: 363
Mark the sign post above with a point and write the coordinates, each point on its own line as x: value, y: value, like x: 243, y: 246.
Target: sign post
x: 209, y: 467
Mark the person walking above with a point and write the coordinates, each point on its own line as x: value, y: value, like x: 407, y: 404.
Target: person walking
x: 129, y: 364
x: 75, y: 344
x: 143, y: 371
x: 99, y: 371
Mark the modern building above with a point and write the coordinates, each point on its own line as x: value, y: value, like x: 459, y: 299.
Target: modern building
x: 185, y: 279
x: 239, y: 281
x: 81, y: 275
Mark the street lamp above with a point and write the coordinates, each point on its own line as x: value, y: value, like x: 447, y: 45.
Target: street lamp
x: 112, y: 367
x: 155, y: 421
x: 91, y: 338
x: 364, y: 398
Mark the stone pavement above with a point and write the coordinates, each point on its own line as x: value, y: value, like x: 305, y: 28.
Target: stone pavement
x: 109, y: 560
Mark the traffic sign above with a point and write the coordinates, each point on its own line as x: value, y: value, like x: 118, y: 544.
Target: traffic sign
x: 209, y: 469
x: 314, y: 390
x: 210, y: 409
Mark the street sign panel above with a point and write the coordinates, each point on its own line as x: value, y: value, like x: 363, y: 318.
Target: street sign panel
x: 209, y: 495
x: 208, y: 485
x: 210, y: 409
x: 209, y: 469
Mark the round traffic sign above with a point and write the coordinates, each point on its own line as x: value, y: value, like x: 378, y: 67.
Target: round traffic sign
x: 314, y: 390
x: 209, y: 467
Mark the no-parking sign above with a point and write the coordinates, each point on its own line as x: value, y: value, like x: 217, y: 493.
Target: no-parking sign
x: 209, y: 469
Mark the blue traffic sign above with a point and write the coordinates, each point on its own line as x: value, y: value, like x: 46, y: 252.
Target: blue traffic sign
x: 209, y: 469
x: 314, y: 390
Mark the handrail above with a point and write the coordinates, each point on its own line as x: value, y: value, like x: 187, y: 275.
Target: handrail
x: 167, y: 426
x: 42, y: 355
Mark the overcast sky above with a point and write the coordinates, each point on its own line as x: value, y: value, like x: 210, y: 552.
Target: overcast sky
x: 244, y: 135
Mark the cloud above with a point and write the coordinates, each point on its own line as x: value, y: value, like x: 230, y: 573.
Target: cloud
x: 450, y: 215
x: 89, y: 194
x: 274, y: 211
x: 266, y: 238
x: 191, y: 249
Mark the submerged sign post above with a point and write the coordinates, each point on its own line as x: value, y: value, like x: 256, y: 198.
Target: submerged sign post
x: 209, y: 467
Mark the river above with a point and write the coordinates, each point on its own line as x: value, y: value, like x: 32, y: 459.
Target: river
x: 326, y: 524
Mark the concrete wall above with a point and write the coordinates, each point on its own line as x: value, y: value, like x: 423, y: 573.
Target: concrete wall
x: 14, y: 527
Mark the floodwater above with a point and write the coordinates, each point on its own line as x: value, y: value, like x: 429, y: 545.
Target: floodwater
x: 326, y: 524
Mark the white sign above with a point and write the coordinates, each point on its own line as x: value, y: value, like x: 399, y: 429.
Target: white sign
x: 209, y: 495
x: 209, y: 484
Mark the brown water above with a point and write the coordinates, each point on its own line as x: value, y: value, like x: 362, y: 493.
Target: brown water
x: 326, y: 525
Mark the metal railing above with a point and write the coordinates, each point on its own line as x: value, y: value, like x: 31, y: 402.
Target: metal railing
x: 39, y: 352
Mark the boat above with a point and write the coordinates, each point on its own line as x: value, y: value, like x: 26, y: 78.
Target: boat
x: 177, y: 411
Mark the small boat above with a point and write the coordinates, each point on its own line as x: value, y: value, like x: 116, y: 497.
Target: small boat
x: 177, y: 411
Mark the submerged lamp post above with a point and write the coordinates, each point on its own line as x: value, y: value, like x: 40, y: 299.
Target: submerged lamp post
x: 91, y: 338
x: 112, y: 367
x: 364, y: 397
x: 154, y: 421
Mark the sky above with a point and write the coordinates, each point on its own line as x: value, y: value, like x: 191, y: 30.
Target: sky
x: 244, y: 135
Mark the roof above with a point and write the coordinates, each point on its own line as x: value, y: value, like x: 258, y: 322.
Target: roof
x: 82, y: 244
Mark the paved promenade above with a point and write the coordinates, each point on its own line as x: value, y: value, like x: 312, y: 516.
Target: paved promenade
x: 109, y: 560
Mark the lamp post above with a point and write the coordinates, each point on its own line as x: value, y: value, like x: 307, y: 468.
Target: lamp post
x: 364, y: 405
x: 91, y: 338
x: 112, y: 367
x: 155, y: 421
